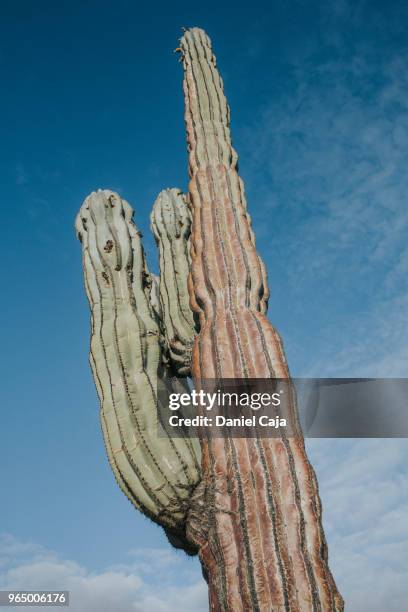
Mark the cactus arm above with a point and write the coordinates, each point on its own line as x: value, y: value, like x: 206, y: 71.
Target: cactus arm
x: 156, y: 473
x: 261, y: 544
x: 171, y: 223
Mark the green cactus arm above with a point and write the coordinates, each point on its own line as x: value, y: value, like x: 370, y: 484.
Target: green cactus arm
x: 256, y: 516
x: 171, y: 223
x: 156, y: 473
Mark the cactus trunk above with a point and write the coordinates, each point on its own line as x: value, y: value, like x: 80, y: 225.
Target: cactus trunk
x: 261, y: 544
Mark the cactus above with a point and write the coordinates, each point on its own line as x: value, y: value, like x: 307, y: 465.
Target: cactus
x: 171, y: 223
x: 256, y: 516
x: 249, y: 507
x: 157, y: 473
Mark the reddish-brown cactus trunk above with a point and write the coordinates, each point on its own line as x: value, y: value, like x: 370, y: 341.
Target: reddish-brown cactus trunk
x: 257, y: 513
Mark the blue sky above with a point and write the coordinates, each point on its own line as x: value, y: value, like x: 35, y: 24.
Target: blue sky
x: 92, y: 99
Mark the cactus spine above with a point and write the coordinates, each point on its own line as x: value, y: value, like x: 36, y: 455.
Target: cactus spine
x: 262, y: 544
x: 156, y: 473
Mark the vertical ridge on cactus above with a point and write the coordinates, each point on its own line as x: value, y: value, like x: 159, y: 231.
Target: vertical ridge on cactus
x: 157, y: 473
x: 262, y: 546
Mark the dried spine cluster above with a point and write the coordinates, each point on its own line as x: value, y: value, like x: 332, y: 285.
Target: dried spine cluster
x: 263, y: 547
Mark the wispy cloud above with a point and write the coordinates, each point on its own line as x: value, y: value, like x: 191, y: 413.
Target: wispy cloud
x: 21, y: 176
x: 364, y: 488
x: 328, y: 161
x: 120, y: 588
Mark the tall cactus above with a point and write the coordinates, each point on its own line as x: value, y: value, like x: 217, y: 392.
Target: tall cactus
x: 251, y: 509
x: 157, y: 473
x: 256, y: 517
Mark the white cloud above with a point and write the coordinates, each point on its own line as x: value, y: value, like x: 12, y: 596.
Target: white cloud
x: 155, y: 580
x: 364, y: 488
x: 326, y: 158
x: 374, y: 344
